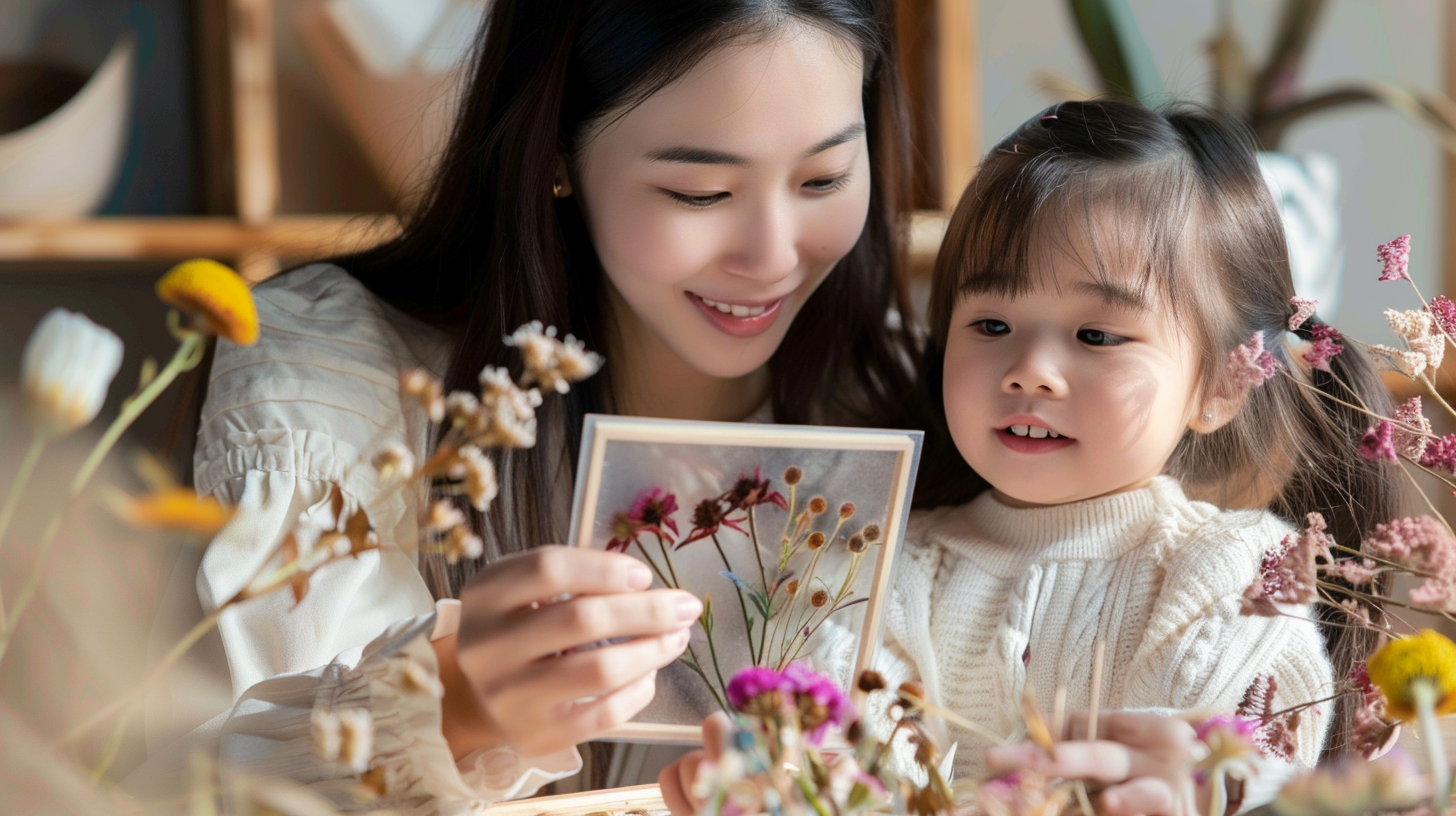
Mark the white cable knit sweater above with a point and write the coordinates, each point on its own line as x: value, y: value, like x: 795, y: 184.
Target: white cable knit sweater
x: 988, y: 598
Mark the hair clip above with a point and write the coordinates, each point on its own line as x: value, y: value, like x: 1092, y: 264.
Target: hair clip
x: 1044, y: 119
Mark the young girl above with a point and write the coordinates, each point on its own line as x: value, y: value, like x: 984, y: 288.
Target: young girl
x: 1096, y: 302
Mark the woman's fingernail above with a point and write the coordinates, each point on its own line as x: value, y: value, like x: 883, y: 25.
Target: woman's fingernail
x: 688, y: 608
x: 680, y: 639
x: 639, y: 577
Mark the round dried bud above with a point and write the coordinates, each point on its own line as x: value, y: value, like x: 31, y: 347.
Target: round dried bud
x: 855, y: 732
x: 816, y: 540
x: 819, y: 598
x: 792, y: 588
x: 924, y: 752
x: 846, y: 510
x: 871, y: 680
x: 857, y: 544
x: 818, y: 505
x: 871, y: 532
x: 793, y: 475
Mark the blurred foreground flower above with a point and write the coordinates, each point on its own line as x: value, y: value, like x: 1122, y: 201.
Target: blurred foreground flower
x: 66, y: 369
x: 171, y: 508
x: 215, y: 297
x: 1353, y: 788
x: 1417, y: 675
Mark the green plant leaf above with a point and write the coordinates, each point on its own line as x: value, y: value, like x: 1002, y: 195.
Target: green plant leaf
x: 1278, y: 83
x: 1117, y: 47
x: 1432, y: 110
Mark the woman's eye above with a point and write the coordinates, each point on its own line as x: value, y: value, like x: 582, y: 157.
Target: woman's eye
x: 1097, y: 337
x: 991, y: 327
x: 828, y: 185
x: 698, y: 202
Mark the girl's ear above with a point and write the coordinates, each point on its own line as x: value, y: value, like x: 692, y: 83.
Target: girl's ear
x: 1218, y: 409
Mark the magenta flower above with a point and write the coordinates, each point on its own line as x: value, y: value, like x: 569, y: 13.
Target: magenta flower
x: 1440, y: 454
x: 818, y: 702
x: 749, y: 492
x: 1379, y: 443
x: 1250, y: 365
x: 651, y: 512
x: 751, y: 683
x: 1444, y: 311
x: 708, y: 517
x: 1303, y: 310
x: 1326, y: 345
x: 1395, y: 258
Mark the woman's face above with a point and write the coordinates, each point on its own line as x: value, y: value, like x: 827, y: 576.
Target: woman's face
x: 720, y: 203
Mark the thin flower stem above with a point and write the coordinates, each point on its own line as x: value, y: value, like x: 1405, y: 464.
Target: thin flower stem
x: 1425, y: 693
x: 763, y: 582
x: 22, y: 476
x: 188, y: 355
x: 660, y: 576
x: 667, y: 556
x: 697, y: 667
x: 113, y: 743
x: 1427, y: 499
x: 717, y: 669
x: 737, y: 590
x: 954, y: 719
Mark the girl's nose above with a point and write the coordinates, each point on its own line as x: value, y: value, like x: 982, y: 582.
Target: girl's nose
x: 1035, y: 373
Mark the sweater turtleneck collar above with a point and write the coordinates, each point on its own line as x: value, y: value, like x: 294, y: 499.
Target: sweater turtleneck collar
x: 1102, y: 528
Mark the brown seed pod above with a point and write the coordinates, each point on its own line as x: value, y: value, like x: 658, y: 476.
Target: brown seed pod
x: 911, y: 693
x: 818, y: 505
x: 793, y: 475
x: 819, y: 598
x: 816, y: 540
x: 792, y: 588
x: 871, y: 680
x: 857, y: 544
x: 854, y: 733
x: 846, y: 510
x: 871, y: 532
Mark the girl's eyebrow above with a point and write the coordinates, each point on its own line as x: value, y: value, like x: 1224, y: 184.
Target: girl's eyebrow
x: 1114, y: 295
x: 702, y: 155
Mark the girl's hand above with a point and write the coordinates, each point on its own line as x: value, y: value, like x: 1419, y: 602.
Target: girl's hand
x: 676, y: 780
x: 1145, y: 760
x: 524, y: 621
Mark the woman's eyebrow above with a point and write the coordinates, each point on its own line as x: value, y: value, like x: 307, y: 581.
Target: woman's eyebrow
x: 702, y: 155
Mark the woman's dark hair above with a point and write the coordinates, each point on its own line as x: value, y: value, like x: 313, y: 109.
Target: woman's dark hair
x: 490, y: 248
x: 1195, y: 220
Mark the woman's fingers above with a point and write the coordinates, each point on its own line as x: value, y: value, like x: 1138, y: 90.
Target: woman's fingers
x: 536, y: 726
x: 598, y: 671
x: 718, y: 728
x: 1097, y: 761
x: 549, y: 572
x: 1137, y: 728
x: 594, y: 618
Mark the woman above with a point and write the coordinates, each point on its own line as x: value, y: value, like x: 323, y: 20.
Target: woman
x: 709, y: 194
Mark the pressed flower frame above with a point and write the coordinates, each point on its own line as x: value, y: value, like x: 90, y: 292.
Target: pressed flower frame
x: 723, y: 487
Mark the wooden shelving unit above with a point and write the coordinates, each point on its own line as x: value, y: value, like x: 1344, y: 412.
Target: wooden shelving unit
x: 259, y: 240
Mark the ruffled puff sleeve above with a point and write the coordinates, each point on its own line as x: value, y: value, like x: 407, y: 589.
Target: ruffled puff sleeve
x: 1201, y: 654
x: 337, y: 689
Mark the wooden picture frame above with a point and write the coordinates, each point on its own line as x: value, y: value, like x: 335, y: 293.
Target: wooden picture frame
x: 737, y: 534
x: 638, y: 800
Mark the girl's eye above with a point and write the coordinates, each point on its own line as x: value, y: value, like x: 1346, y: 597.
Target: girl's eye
x: 696, y: 202
x: 828, y: 185
x: 1097, y: 337
x: 991, y: 327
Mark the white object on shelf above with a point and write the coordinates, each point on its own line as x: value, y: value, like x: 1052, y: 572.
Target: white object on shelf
x: 64, y: 165
x: 393, y: 37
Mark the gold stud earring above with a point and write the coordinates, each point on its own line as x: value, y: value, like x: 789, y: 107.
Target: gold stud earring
x: 560, y: 188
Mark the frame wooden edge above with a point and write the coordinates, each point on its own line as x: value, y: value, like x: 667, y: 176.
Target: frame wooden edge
x: 612, y: 802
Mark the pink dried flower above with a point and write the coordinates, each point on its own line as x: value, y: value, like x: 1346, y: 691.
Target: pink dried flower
x: 1359, y: 613
x: 1409, y: 363
x: 1378, y: 442
x: 1303, y: 310
x: 1326, y: 344
x: 1444, y: 313
x: 752, y: 683
x: 1440, y: 454
x: 1411, y: 414
x: 1250, y: 364
x: 1287, y: 572
x: 1395, y: 259
x: 1370, y: 734
x: 1356, y: 571
x: 1423, y: 545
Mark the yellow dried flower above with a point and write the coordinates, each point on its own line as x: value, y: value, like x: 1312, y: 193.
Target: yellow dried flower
x: 172, y: 508
x: 213, y: 295
x: 1399, y: 665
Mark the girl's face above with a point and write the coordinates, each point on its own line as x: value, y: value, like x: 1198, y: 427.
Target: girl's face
x: 720, y: 203
x: 1080, y: 389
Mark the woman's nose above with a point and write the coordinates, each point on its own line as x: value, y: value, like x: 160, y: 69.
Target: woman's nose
x: 1035, y: 372
x: 766, y: 246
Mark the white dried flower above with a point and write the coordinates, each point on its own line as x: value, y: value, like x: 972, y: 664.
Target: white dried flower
x: 65, y: 370
x: 462, y: 544
x: 424, y: 386
x: 1409, y: 363
x: 1410, y: 324
x: 345, y: 736
x: 1433, y: 346
x: 443, y: 516
x: 411, y: 675
x: 537, y: 345
x: 479, y: 475
x: 573, y: 364
x: 394, y: 461
x: 495, y: 382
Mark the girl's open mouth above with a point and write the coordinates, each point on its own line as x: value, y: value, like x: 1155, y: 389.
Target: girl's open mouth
x: 1032, y: 439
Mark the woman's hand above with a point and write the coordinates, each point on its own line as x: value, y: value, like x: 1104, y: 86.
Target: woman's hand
x: 1145, y: 760
x: 676, y: 780
x: 519, y: 656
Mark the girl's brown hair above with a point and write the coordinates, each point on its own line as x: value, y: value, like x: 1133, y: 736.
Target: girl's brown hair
x: 1175, y: 197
